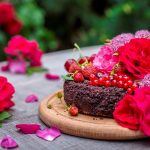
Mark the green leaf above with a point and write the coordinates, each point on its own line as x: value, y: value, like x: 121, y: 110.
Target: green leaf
x: 32, y: 70
x: 66, y: 77
x: 4, y: 115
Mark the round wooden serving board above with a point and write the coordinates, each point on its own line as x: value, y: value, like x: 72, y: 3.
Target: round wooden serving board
x: 82, y: 125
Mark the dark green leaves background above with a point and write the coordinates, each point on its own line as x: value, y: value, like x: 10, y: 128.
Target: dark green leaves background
x: 57, y: 24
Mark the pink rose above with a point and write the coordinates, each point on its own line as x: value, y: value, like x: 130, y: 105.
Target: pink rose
x: 24, y: 49
x: 17, y: 66
x: 105, y: 59
x: 35, y: 54
x: 17, y: 45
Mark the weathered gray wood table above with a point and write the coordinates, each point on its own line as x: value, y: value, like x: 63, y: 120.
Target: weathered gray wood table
x: 28, y: 112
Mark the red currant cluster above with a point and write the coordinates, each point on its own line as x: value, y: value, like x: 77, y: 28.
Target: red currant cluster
x: 121, y: 81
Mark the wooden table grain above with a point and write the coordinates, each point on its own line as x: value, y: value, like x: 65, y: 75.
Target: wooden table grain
x: 28, y: 112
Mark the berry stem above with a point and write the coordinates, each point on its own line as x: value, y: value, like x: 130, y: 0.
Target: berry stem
x: 78, y: 48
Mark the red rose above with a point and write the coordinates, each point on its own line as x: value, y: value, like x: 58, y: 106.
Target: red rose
x: 135, y: 57
x: 133, y: 111
x: 127, y: 113
x: 13, y: 27
x: 144, y: 105
x: 7, y: 12
x: 6, y: 93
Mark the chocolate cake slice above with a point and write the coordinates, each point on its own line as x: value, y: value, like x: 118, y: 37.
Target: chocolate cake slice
x: 92, y: 100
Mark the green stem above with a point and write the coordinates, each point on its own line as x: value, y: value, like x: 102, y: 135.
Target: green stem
x: 78, y: 48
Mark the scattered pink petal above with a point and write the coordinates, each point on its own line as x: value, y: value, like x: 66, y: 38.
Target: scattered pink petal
x: 52, y: 76
x: 28, y: 128
x: 8, y: 142
x: 49, y: 134
x: 31, y: 99
x: 5, y: 68
x: 17, y: 66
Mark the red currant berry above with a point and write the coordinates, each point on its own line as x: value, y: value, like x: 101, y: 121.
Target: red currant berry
x: 83, y: 59
x: 107, y: 83
x: 91, y: 58
x: 120, y: 77
x: 125, y: 86
x: 92, y: 77
x: 78, y: 77
x: 114, y: 82
x: 130, y: 83
x: 134, y: 86
x: 73, y: 111
x: 107, y: 77
x: 95, y: 82
x: 68, y: 63
x: 129, y: 90
x: 126, y: 78
x: 101, y: 81
x: 120, y: 84
x: 115, y: 76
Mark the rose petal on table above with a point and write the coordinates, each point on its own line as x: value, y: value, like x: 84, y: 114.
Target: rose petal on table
x: 17, y: 66
x: 31, y: 98
x: 49, y: 134
x: 28, y: 128
x: 8, y: 142
x: 5, y: 68
x: 50, y: 76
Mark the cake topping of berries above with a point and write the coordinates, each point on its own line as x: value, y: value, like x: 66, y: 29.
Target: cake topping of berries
x: 73, y: 111
x: 68, y: 63
x: 83, y: 60
x: 91, y: 58
x: 78, y: 77
x: 118, y: 80
x: 74, y: 67
x: 88, y: 70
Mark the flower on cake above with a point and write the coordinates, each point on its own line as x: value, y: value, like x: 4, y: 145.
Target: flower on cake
x: 130, y: 52
x: 120, y: 40
x: 142, y: 34
x: 22, y: 54
x: 145, y: 81
x: 135, y: 57
x: 105, y: 59
x: 131, y: 55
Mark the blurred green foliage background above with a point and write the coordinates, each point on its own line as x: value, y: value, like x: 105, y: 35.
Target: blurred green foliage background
x: 57, y: 24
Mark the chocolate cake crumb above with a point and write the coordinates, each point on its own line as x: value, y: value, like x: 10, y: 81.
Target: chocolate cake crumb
x: 92, y: 100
